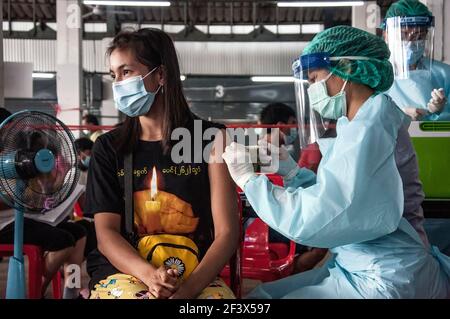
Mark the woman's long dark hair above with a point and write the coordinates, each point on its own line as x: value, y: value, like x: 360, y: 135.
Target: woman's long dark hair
x: 153, y: 48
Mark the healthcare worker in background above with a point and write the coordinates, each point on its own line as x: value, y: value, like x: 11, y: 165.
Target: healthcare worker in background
x: 422, y: 85
x: 354, y: 205
x: 280, y: 114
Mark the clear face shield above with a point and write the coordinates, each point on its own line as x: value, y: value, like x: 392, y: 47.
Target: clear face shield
x: 410, y: 40
x: 311, y: 124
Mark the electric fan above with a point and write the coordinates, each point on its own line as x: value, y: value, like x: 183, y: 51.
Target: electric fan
x: 38, y: 171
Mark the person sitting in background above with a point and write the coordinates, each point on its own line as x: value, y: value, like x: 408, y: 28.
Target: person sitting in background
x: 84, y: 147
x: 84, y: 150
x: 63, y: 244
x: 4, y: 114
x: 282, y: 114
x: 91, y: 120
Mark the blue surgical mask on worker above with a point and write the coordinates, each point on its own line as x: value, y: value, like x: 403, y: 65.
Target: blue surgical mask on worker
x: 290, y: 138
x: 131, y: 97
x: 414, y: 51
x: 330, y: 107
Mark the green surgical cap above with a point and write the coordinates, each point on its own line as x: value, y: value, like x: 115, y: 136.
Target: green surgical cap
x: 408, y: 8
x: 375, y: 72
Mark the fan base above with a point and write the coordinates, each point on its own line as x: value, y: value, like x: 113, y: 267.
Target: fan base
x: 16, y: 279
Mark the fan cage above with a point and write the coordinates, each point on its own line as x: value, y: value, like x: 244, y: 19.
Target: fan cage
x: 31, y: 131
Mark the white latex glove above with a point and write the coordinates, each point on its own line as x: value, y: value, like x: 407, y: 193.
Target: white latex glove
x: 278, y: 158
x: 437, y: 101
x: 415, y: 113
x: 239, y: 163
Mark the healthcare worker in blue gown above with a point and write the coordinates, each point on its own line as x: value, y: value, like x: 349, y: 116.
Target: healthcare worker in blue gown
x: 422, y: 85
x: 355, y: 204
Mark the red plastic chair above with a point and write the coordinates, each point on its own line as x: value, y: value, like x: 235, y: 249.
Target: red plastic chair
x: 263, y: 260
x: 35, y: 270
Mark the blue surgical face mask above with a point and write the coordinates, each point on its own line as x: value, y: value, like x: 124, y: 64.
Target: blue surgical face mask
x: 290, y: 138
x: 414, y: 51
x: 329, y: 107
x: 85, y: 161
x: 131, y: 97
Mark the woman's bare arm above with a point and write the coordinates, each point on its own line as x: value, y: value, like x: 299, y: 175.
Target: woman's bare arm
x: 226, y: 225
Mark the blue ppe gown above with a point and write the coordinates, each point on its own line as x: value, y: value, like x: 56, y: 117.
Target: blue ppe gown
x: 416, y: 91
x: 354, y: 206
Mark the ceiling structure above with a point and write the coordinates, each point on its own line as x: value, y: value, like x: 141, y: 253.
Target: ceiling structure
x: 188, y: 13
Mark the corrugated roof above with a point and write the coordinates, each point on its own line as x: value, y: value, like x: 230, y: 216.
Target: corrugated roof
x: 191, y: 12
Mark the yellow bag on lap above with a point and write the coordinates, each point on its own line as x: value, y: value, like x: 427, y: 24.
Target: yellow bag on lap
x: 173, y: 251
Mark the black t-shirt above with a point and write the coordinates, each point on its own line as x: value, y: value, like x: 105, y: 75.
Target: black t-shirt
x: 184, y: 188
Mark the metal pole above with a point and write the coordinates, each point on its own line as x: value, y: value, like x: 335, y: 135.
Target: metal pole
x: 186, y: 28
x: 9, y: 18
x: 231, y: 18
x: 208, y: 14
x: 34, y: 18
